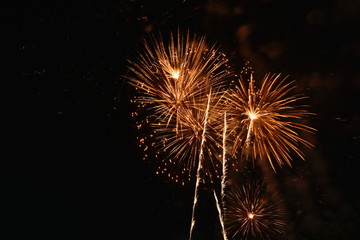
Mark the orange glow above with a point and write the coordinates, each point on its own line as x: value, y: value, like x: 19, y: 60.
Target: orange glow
x: 176, y: 75
x: 252, y: 115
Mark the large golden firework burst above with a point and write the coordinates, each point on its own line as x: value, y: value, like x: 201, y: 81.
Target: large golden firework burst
x: 265, y: 122
x: 180, y: 82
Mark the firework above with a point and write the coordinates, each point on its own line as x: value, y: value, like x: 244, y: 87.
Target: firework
x: 181, y: 84
x: 191, y: 119
x: 251, y: 212
x: 264, y: 121
x: 173, y: 80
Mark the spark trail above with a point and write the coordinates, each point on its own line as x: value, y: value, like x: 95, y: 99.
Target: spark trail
x: 220, y: 216
x: 199, y: 168
x: 223, y: 178
x: 223, y: 182
x: 224, y: 162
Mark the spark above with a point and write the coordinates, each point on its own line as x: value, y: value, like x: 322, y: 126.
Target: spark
x: 265, y: 123
x: 251, y: 212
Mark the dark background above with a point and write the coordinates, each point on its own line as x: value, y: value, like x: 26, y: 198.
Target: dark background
x: 71, y: 166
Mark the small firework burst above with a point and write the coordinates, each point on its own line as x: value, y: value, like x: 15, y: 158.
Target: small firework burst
x: 252, y: 212
x: 175, y: 79
x: 264, y: 123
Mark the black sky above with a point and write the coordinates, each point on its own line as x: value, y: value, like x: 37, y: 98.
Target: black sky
x: 71, y: 166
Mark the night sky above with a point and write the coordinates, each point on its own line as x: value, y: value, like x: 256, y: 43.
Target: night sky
x: 71, y: 167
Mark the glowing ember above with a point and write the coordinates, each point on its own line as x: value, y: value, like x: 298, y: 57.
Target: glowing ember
x: 251, y: 215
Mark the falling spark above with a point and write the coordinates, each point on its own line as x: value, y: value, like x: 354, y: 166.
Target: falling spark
x: 264, y: 122
x: 173, y: 80
x: 253, y: 213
